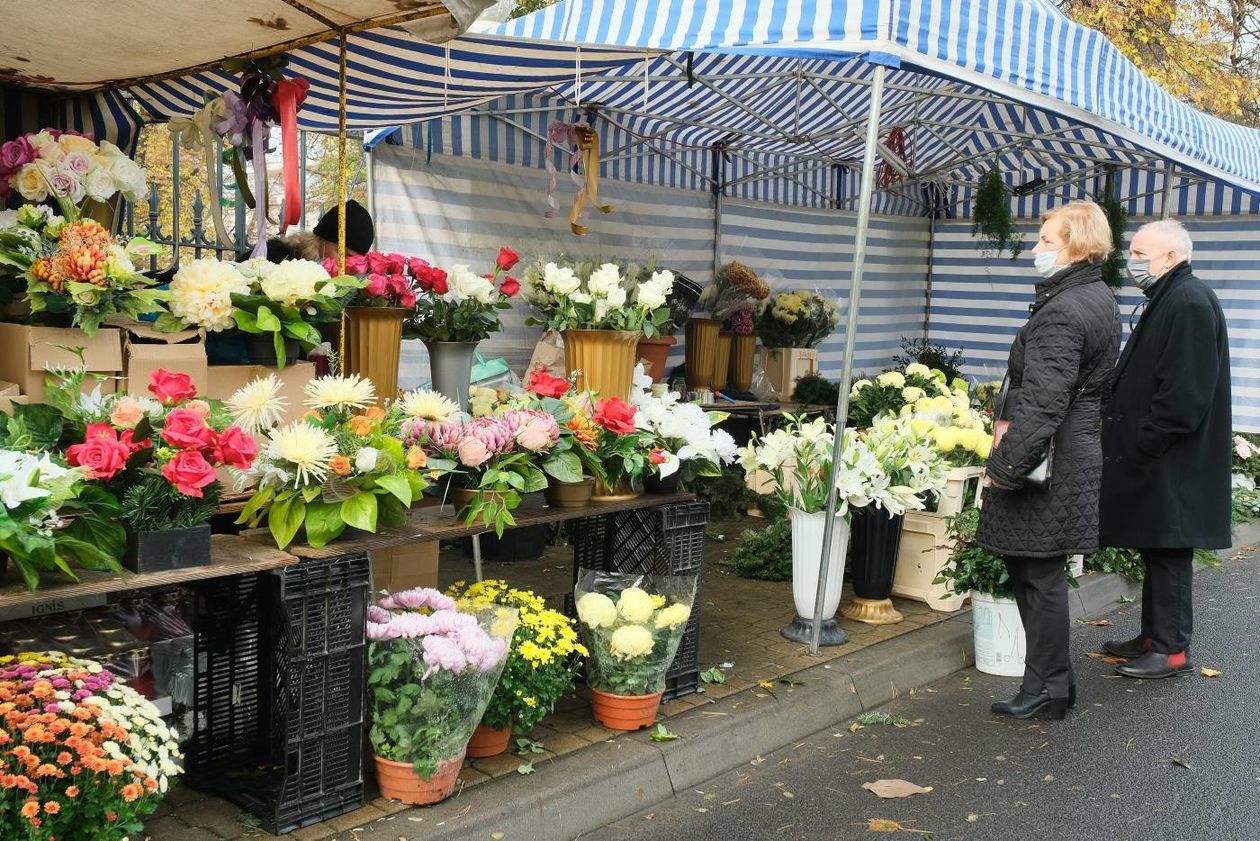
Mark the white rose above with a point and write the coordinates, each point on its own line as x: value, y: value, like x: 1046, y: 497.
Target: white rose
x: 560, y: 280
x: 365, y: 461
x: 466, y: 284
x: 650, y: 294
x: 99, y: 184
x: 617, y: 296
x: 664, y: 279
x: 581, y: 297
x: 604, y: 280
x: 601, y: 309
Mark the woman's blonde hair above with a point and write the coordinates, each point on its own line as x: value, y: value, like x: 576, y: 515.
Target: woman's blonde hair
x: 1085, y: 230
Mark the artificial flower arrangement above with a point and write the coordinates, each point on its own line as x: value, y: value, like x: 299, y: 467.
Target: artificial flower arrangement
x: 69, y: 168
x: 734, y: 289
x: 800, y: 319
x: 384, y: 280
x: 575, y: 295
x: 460, y: 305
x: 543, y: 660
x: 961, y: 433
x: 432, y: 670
x: 740, y: 322
x: 891, y: 391
x: 680, y: 437
x: 631, y: 626
x: 279, y: 301
x: 338, y: 466
x: 911, y: 463
x: 84, y: 754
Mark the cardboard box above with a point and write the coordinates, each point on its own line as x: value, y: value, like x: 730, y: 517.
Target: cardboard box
x: 404, y: 567
x: 10, y: 394
x: 145, y: 350
x: 26, y: 354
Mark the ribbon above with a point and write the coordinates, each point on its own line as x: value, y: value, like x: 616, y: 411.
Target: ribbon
x: 258, y: 142
x: 198, y: 132
x: 287, y: 98
x: 588, y: 148
x: 584, y: 142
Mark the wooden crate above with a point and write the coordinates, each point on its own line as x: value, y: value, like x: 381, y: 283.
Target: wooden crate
x: 783, y: 366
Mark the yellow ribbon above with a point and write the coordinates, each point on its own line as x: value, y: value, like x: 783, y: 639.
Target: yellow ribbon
x: 197, y: 132
x: 588, y: 150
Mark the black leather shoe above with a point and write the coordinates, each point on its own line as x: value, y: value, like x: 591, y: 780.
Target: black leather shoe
x: 1152, y: 665
x: 1024, y: 705
x: 1128, y: 649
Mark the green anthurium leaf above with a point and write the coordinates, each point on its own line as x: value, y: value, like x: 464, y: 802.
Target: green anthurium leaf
x: 391, y: 513
x: 253, y: 508
x: 103, y: 532
x: 285, y: 518
x: 167, y: 323
x: 397, y: 485
x: 310, y: 494
x: 277, y: 341
x: 267, y: 321
x: 359, y: 511
x: 86, y: 555
x: 323, y: 523
x: 303, y: 332
x: 38, y: 424
x: 535, y: 480
x: 245, y: 321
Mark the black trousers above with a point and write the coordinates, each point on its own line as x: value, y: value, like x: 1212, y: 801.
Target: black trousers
x: 1167, y: 613
x: 1041, y: 591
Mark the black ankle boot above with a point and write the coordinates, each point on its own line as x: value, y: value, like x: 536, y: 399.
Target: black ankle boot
x: 1128, y: 649
x: 1071, y: 698
x: 1024, y: 705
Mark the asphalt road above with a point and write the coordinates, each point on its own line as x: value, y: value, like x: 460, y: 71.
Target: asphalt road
x: 1135, y: 761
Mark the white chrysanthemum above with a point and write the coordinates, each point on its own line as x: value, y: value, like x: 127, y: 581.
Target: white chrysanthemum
x: 631, y: 641
x: 201, y: 293
x: 293, y: 281
x: 257, y: 406
x: 351, y: 391
x: 673, y: 616
x: 427, y: 405
x: 635, y: 605
x: 305, y: 446
x: 596, y: 610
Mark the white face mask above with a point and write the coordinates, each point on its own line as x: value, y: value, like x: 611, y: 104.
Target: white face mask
x: 1045, y: 263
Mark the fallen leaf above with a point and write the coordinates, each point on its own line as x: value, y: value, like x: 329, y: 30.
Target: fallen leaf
x: 1178, y: 761
x: 496, y: 836
x: 1106, y: 658
x: 885, y: 825
x: 661, y: 734
x: 894, y: 788
x: 713, y: 675
x: 756, y: 761
x: 527, y: 768
x: 854, y: 727
x: 789, y: 795
x: 791, y: 681
x: 1126, y: 600
x: 765, y: 684
x: 1206, y: 672
x: 1097, y: 623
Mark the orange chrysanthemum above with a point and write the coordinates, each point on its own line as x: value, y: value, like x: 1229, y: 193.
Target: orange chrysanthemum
x: 584, y: 431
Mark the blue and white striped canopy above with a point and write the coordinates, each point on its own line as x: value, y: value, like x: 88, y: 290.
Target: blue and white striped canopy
x: 1011, y: 81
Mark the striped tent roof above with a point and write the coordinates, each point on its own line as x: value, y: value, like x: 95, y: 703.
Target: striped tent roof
x: 1012, y: 81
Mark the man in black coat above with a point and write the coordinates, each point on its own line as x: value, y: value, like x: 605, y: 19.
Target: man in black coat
x: 1166, y: 445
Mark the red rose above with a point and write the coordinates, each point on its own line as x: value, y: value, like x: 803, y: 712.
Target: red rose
x: 234, y: 448
x: 132, y: 447
x: 507, y: 259
x: 657, y: 456
x: 377, y: 263
x: 417, y: 266
x: 101, y: 455
x: 376, y: 285
x: 439, y: 282
x: 615, y: 415
x: 189, y: 472
x: 185, y: 429
x: 398, y: 284
x: 510, y: 287
x: 397, y: 263
x: 407, y: 299
x: 171, y: 387
x: 355, y: 264
x: 545, y: 385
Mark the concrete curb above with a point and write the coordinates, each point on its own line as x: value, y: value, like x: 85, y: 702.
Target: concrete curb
x: 586, y: 790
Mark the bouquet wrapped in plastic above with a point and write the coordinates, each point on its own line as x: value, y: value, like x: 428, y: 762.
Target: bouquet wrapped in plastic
x: 432, y: 670
x: 632, y: 625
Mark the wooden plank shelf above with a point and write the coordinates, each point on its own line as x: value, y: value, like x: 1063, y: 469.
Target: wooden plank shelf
x: 439, y: 523
x: 230, y: 555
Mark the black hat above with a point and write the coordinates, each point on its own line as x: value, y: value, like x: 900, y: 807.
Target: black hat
x: 359, y: 230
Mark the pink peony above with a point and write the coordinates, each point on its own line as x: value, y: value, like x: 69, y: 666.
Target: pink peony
x: 473, y: 452
x: 495, y: 433
x: 533, y: 429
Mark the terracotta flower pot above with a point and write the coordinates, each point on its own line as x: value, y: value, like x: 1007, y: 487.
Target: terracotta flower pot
x: 701, y: 347
x: 605, y: 358
x: 569, y: 494
x: 624, y: 712
x: 488, y: 741
x: 721, y: 361
x: 743, y: 352
x: 373, y: 344
x: 619, y: 492
x: 656, y: 353
x: 399, y: 781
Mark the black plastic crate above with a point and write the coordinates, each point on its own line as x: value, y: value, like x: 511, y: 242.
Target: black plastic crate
x: 298, y: 756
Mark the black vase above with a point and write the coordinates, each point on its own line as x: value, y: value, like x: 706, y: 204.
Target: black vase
x: 874, y: 539
x: 654, y: 484
x: 262, y: 349
x: 158, y: 551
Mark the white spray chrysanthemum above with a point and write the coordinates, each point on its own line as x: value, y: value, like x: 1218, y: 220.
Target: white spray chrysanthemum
x: 257, y: 406
x: 427, y: 405
x: 331, y: 392
x: 304, y: 446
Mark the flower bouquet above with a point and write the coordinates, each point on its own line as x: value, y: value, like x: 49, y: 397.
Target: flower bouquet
x: 338, y: 466
x: 961, y: 433
x: 734, y: 288
x: 69, y: 168
x: 680, y: 437
x: 891, y: 391
x: 432, y: 671
x: 460, y: 305
x: 84, y: 755
x: 284, y: 303
x: 541, y: 664
x: 159, y: 456
x: 632, y: 626
x: 800, y: 319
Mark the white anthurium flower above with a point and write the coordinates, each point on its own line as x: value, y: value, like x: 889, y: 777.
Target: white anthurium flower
x: 642, y: 382
x: 670, y: 465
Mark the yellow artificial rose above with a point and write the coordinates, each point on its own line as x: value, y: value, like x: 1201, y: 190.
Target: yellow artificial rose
x: 596, y: 610
x: 635, y: 605
x: 631, y: 641
x: 74, y: 143
x: 31, y: 183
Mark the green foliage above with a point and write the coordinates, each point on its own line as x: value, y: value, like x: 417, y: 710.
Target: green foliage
x: 1124, y: 562
x: 727, y: 494
x: 814, y: 390
x: 1246, y: 505
x: 524, y: 7
x: 1117, y: 217
x: 971, y: 567
x: 153, y: 504
x: 1247, y: 454
x: 993, y: 219
x: 933, y: 356
x: 1207, y: 558
x: 765, y: 553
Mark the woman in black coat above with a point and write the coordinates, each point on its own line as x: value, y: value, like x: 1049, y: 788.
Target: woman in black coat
x: 1059, y: 368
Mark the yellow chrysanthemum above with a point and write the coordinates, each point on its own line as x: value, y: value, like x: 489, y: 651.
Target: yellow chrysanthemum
x: 635, y: 605
x: 427, y: 405
x: 673, y: 616
x: 257, y: 406
x: 332, y: 392
x: 307, y: 448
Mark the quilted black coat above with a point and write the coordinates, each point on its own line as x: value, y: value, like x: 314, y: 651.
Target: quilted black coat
x: 1059, y: 369
x: 1166, y: 434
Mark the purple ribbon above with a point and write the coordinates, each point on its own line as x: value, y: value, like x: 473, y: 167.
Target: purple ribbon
x: 561, y: 132
x: 258, y: 140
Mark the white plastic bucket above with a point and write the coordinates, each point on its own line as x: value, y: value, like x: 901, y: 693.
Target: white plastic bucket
x: 998, y: 635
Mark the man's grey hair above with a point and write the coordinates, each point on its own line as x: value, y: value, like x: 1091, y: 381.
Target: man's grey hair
x: 1174, y: 233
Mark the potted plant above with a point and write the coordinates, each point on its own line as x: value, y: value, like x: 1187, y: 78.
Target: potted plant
x: 375, y: 313
x: 573, y: 466
x: 431, y: 673
x: 631, y: 626
x: 541, y: 664
x: 997, y: 631
x: 791, y: 326
x: 601, y: 317
x: 680, y: 438
x: 619, y: 446
x: 125, y: 757
x: 655, y: 350
x: 454, y: 312
x: 339, y: 466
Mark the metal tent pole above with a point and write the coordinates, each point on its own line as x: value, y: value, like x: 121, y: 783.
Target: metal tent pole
x: 1165, y: 203
x: 850, y: 343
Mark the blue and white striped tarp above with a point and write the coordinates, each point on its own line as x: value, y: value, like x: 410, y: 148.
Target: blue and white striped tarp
x: 105, y: 115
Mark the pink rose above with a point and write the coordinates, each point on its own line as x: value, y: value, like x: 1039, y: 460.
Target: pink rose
x: 473, y: 452
x: 189, y: 472
x: 76, y: 163
x: 185, y: 429
x: 16, y: 153
x: 407, y: 299
x: 376, y: 285
x: 356, y: 264
x: 235, y: 449
x: 538, y: 435
x: 397, y: 263
x: 377, y: 263
x: 331, y: 266
x: 127, y: 413
x: 66, y: 186
x: 398, y: 284
x: 171, y: 387
x: 417, y: 266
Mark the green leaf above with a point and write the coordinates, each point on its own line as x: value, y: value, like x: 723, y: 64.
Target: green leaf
x: 661, y: 734
x: 40, y: 422
x: 277, y: 341
x: 255, y: 505
x: 103, y: 532
x: 267, y: 321
x: 285, y: 518
x: 86, y: 555
x: 359, y: 511
x: 303, y: 332
x: 527, y: 768
x: 564, y: 467
x: 396, y: 484
x: 713, y: 675
x: 323, y: 523
x: 167, y: 323
x: 245, y: 321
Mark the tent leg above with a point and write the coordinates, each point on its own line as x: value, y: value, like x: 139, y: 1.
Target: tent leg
x: 850, y: 342
x: 1165, y: 202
